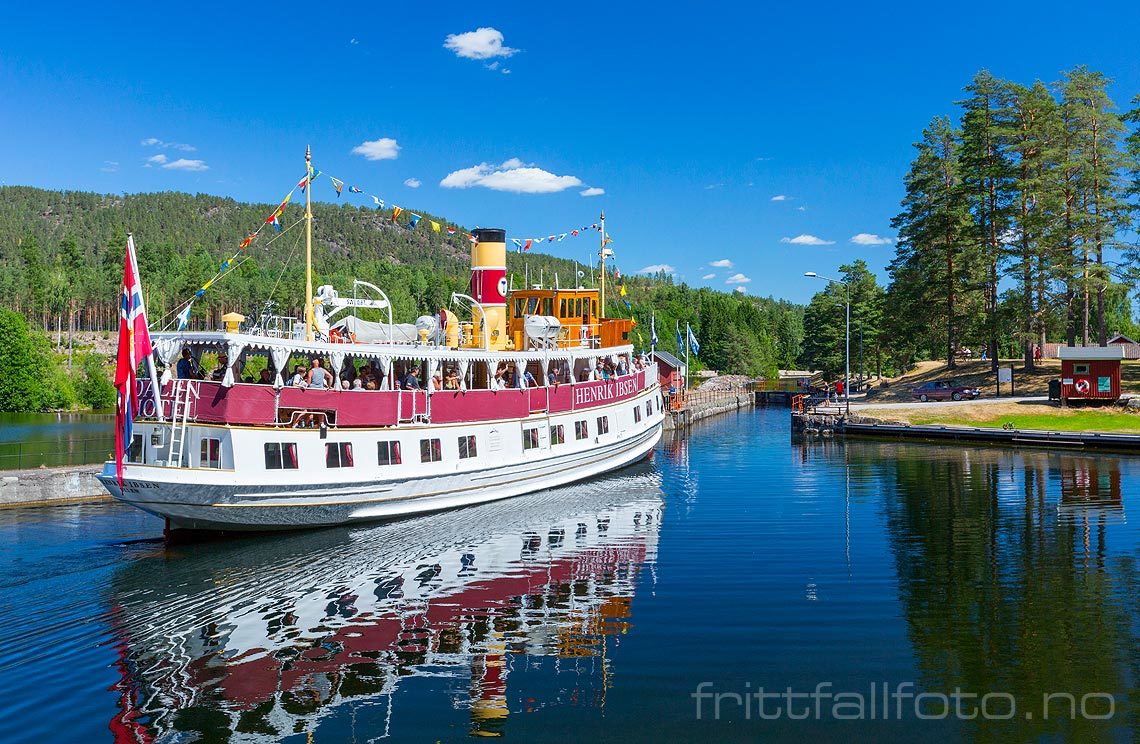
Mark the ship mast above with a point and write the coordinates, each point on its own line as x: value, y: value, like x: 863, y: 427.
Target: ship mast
x: 602, y: 254
x: 308, y: 245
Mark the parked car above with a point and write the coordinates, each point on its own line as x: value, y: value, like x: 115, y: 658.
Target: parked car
x: 944, y: 390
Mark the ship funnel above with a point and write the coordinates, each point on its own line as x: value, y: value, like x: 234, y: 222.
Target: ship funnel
x: 489, y: 284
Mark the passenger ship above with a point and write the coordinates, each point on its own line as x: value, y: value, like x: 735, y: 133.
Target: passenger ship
x: 235, y: 455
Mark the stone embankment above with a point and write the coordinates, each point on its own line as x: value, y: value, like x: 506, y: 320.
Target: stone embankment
x: 50, y: 486
x: 718, y: 395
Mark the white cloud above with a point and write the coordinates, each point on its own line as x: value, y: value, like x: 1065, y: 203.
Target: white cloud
x: 413, y: 183
x: 593, y: 191
x: 384, y: 148
x: 737, y: 279
x: 870, y: 239
x: 713, y: 186
x: 656, y: 269
x: 496, y: 67
x: 780, y: 197
x: 706, y: 277
x: 807, y: 240
x: 187, y: 165
x: 353, y: 41
x: 723, y: 263
x: 110, y: 166
x: 482, y: 43
x: 741, y: 290
x: 156, y: 142
x: 513, y: 175
x: 801, y: 209
x: 158, y: 159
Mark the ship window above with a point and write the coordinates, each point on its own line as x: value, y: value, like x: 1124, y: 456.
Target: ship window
x: 466, y: 446
x: 594, y: 308
x: 1080, y: 369
x: 557, y: 434
x: 530, y: 439
x: 338, y: 455
x: 548, y: 306
x: 562, y: 308
x: 603, y: 425
x: 581, y: 430
x: 136, y: 452
x: 430, y: 450
x: 280, y: 456
x: 577, y: 306
x: 637, y: 414
x: 531, y: 305
x: 648, y: 408
x: 210, y: 455
x: 388, y: 453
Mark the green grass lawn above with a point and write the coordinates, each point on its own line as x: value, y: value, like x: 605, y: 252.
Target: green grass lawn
x: 1056, y: 420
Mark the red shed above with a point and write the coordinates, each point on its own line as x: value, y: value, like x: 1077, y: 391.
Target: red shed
x: 670, y: 371
x: 1090, y: 372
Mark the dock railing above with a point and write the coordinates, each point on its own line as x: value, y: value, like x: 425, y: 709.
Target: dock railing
x: 25, y: 455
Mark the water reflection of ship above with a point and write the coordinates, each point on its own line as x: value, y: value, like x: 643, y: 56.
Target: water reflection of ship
x: 271, y: 635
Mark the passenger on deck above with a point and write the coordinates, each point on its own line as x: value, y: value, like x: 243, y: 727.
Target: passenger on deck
x: 298, y: 378
x: 187, y: 368
x: 527, y: 380
x: 451, y: 380
x: 266, y: 377
x: 318, y: 377
x: 622, y: 370
x: 436, y: 382
x: 219, y: 372
x: 411, y: 381
x: 499, y: 381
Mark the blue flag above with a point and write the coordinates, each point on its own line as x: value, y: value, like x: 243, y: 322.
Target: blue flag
x: 693, y: 344
x: 653, y: 330
x: 680, y: 340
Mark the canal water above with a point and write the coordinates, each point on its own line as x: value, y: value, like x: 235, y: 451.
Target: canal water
x: 737, y: 588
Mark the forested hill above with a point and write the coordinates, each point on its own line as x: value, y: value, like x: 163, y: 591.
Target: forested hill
x: 62, y: 253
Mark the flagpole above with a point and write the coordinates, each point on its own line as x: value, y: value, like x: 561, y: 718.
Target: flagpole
x: 602, y: 254
x: 149, y: 357
x: 308, y: 246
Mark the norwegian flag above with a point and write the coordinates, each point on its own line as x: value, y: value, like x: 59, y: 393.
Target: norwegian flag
x: 134, y: 347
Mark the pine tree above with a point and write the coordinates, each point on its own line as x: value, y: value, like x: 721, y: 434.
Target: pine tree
x: 987, y: 173
x: 931, y: 270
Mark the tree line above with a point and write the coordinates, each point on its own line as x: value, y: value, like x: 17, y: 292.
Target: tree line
x: 1013, y: 227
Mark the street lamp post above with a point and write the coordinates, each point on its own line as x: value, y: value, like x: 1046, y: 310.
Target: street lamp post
x: 847, y: 357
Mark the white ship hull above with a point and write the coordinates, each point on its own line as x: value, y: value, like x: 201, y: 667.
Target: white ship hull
x: 248, y: 498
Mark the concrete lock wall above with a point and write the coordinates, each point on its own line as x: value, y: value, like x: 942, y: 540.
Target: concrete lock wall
x: 50, y: 486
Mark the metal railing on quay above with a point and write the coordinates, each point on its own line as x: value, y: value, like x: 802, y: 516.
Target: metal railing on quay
x: 27, y: 455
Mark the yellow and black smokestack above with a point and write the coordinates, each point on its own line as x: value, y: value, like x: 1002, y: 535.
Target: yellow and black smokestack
x: 489, y: 284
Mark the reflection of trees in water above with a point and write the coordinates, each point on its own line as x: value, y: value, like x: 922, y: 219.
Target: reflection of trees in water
x: 1000, y: 594
x: 270, y: 636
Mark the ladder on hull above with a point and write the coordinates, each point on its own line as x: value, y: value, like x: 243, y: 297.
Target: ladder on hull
x: 181, y: 395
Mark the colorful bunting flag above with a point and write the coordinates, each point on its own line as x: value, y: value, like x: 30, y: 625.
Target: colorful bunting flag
x: 451, y: 231
x: 561, y: 237
x: 627, y: 305
x: 434, y: 226
x: 518, y: 243
x: 574, y: 233
x: 396, y: 211
x: 379, y: 202
x: 303, y: 183
x: 184, y: 316
x: 248, y: 239
x: 527, y: 246
x: 354, y: 190
x: 338, y: 185
x: 621, y: 290
x: 415, y: 218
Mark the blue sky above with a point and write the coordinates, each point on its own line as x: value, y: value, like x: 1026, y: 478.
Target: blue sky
x: 692, y: 119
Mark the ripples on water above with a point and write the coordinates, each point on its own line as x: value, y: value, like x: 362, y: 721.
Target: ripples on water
x: 593, y: 612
